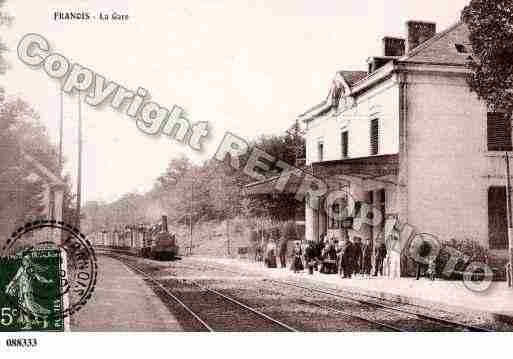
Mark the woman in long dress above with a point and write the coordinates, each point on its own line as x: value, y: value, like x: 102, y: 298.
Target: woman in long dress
x: 271, y: 254
x: 297, y: 263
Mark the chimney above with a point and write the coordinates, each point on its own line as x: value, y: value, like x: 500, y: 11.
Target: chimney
x: 393, y: 46
x: 164, y: 224
x: 417, y: 32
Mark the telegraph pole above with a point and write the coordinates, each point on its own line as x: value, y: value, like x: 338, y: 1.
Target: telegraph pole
x: 510, y: 222
x: 228, y: 233
x: 190, y: 213
x: 61, y: 131
x: 79, y: 175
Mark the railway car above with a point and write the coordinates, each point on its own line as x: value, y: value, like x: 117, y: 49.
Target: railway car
x: 159, y: 243
x: 141, y: 240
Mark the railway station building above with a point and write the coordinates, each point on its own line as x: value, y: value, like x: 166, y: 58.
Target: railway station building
x: 408, y: 136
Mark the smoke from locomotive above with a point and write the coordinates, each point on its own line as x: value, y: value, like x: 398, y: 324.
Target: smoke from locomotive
x: 149, y: 241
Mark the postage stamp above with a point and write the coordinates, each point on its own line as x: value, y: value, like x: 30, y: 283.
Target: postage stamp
x: 49, y: 272
x: 31, y: 298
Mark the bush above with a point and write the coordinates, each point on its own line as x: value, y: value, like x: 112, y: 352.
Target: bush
x: 471, y: 251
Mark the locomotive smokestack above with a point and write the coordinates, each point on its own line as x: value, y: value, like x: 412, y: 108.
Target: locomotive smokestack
x: 164, y: 224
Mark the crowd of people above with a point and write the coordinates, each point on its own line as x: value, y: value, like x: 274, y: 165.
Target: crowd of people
x: 347, y: 257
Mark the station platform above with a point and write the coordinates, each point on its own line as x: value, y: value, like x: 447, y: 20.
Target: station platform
x: 122, y: 301
x: 452, y: 296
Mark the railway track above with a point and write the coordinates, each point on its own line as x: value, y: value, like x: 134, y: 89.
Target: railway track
x: 424, y: 322
x: 211, y: 309
x: 372, y: 310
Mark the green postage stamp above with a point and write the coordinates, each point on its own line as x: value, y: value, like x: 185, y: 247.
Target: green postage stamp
x: 31, y: 291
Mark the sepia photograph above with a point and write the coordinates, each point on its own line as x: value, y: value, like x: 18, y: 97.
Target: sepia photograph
x: 184, y: 167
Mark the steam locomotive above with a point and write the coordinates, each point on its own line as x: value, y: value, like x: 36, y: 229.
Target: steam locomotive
x: 161, y: 244
x: 141, y: 240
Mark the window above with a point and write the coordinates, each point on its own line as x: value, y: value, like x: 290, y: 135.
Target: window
x: 499, y: 132
x: 344, y: 144
x: 374, y: 137
x: 462, y: 49
x: 497, y: 220
x: 337, y: 94
x: 320, y: 151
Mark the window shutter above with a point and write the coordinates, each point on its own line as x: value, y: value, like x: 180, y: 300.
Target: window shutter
x: 497, y: 220
x: 499, y: 132
x: 374, y: 137
x: 345, y: 144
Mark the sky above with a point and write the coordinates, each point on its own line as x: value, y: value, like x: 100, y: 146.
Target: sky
x: 248, y: 67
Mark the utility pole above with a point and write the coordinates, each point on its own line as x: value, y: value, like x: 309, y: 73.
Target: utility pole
x: 229, y: 212
x: 79, y: 175
x: 61, y: 131
x: 510, y: 223
x: 61, y: 135
x: 190, y: 214
x: 228, y: 233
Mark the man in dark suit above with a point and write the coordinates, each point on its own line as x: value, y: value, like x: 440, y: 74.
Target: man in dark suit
x: 366, y: 257
x: 317, y: 253
x: 380, y: 252
x: 332, y: 256
x: 357, y: 264
x: 347, y: 253
x: 282, y: 251
x: 329, y: 258
x: 310, y: 257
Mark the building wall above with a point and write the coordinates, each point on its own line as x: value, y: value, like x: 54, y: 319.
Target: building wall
x: 381, y: 102
x: 449, y: 167
x: 447, y: 158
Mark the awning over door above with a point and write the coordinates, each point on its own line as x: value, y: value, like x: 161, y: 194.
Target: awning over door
x: 286, y: 183
x: 336, y: 174
x: 376, y: 168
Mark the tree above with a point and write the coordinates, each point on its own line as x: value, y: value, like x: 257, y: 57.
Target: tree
x: 187, y: 192
x: 288, y: 148
x: 491, y: 34
x: 176, y: 169
x: 225, y: 191
x: 21, y: 195
x: 92, y: 212
x: 5, y: 20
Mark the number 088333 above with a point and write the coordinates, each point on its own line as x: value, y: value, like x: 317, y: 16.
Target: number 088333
x: 21, y: 342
